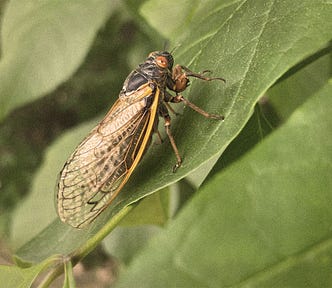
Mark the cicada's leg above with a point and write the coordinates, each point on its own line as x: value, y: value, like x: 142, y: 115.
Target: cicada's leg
x: 164, y: 113
x: 179, y: 98
x: 180, y: 80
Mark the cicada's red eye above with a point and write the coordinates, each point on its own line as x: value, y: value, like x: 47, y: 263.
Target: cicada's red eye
x: 162, y: 61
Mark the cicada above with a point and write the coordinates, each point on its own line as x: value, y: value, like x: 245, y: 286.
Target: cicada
x: 101, y: 165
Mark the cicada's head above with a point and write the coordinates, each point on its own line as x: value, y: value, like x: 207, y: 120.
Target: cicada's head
x: 162, y: 59
x: 157, y: 67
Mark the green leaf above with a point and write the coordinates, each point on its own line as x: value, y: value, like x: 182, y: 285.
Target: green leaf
x: 177, y: 14
x: 41, y: 200
x: 251, y: 44
x: 125, y: 243
x: 138, y: 227
x: 58, y: 238
x: 263, y: 222
x: 14, y: 276
x: 282, y: 100
x: 256, y: 129
x: 43, y: 43
x: 151, y: 210
x: 299, y: 86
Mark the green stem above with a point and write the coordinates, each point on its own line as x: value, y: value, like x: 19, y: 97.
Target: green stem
x: 89, y: 245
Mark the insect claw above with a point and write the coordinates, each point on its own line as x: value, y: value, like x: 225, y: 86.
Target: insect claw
x: 176, y: 166
x: 217, y: 117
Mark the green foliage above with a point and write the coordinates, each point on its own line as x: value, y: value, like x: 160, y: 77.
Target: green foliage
x: 262, y: 215
x: 272, y: 228
x: 43, y: 43
x: 14, y: 276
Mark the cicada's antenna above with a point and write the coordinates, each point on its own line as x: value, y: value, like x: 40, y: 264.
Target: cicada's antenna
x: 175, y: 47
x: 167, y: 44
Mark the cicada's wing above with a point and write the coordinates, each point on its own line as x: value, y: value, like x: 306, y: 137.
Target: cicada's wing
x: 100, y: 166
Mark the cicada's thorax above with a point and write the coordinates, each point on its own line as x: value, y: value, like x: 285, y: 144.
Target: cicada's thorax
x: 137, y: 103
x: 152, y: 74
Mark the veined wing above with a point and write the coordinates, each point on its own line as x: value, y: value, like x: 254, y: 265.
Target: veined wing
x: 100, y: 166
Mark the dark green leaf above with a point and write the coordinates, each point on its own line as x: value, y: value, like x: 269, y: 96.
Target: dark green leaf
x: 263, y: 222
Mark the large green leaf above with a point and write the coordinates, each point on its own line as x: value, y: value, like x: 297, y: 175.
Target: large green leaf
x: 43, y: 43
x: 251, y: 44
x: 263, y: 222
